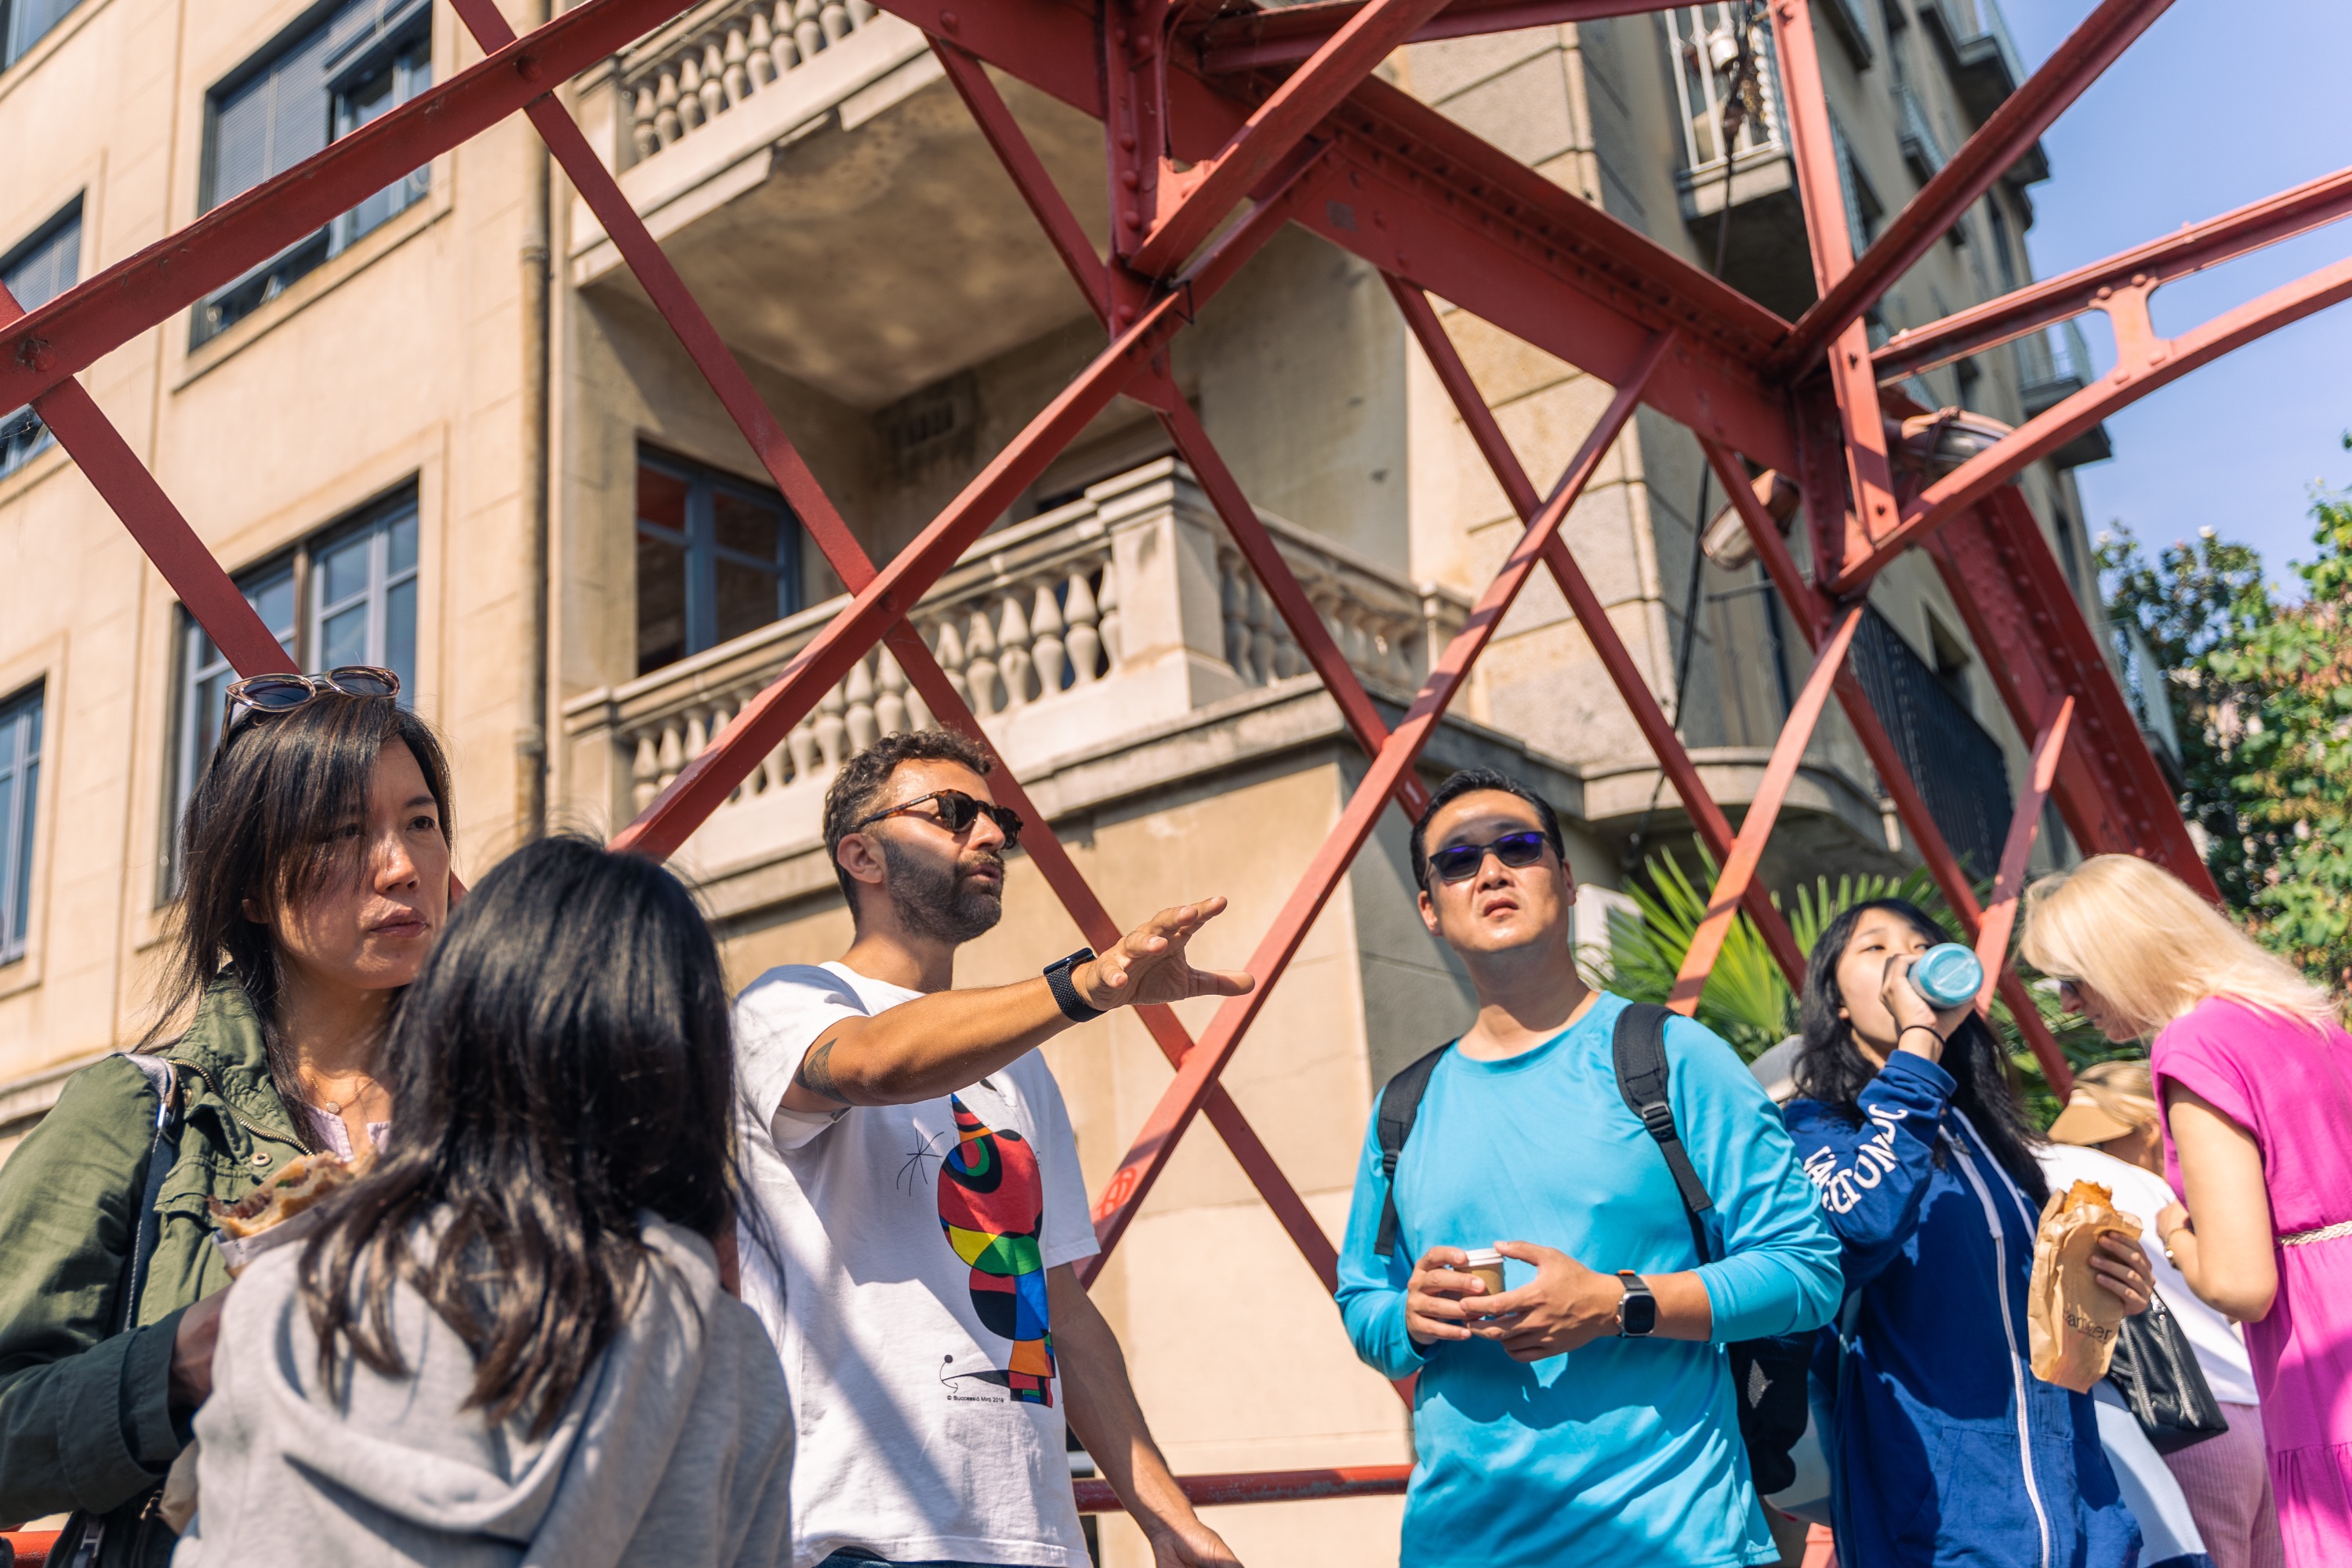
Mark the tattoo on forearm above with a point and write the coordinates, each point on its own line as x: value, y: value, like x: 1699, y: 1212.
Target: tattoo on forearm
x: 815, y: 1073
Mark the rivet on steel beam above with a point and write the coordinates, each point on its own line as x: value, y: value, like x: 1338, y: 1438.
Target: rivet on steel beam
x: 1127, y: 141
x: 1128, y: 179
x: 949, y: 22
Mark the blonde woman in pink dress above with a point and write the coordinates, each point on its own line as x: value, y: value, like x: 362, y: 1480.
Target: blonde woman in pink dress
x: 2254, y: 1067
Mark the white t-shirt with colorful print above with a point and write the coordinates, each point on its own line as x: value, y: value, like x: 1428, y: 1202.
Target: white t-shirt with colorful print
x: 907, y: 1293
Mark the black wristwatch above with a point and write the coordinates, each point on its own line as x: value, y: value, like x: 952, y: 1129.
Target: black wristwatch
x: 1066, y: 995
x: 1637, y: 1311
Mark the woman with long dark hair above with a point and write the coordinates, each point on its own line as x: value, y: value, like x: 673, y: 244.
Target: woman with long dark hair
x: 314, y: 875
x: 1945, y: 1449
x: 511, y: 1342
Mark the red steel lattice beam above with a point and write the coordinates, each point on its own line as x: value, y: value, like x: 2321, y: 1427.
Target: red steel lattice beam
x: 1390, y: 180
x: 1706, y: 817
x: 2307, y: 206
x: 1148, y: 1155
x: 2005, y: 137
x: 792, y: 476
x: 1812, y: 617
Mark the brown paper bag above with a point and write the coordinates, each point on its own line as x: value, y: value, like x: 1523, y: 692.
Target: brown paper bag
x: 2071, y: 1317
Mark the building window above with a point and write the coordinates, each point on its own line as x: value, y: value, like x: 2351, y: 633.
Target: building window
x: 20, y: 789
x: 23, y: 21
x: 715, y: 558
x: 327, y: 77
x: 36, y: 272
x: 347, y: 595
x: 1862, y: 207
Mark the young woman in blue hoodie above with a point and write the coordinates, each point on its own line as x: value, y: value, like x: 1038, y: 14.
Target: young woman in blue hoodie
x: 1945, y: 1448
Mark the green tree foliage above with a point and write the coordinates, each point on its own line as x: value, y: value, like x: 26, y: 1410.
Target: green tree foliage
x: 2261, y: 694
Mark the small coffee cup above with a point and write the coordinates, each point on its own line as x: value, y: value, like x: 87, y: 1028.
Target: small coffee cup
x: 1488, y: 1265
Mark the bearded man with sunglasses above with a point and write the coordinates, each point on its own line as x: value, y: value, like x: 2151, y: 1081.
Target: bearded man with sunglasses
x: 917, y: 1201
x: 1583, y: 1412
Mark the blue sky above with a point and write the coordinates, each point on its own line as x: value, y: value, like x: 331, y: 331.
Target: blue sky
x: 2218, y: 103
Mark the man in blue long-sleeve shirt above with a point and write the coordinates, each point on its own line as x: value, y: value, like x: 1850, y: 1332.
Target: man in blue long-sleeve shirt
x: 1548, y: 1430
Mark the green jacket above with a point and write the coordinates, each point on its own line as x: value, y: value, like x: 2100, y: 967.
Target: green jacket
x: 85, y: 1419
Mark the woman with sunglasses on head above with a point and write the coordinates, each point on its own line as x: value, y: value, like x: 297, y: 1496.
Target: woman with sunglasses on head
x: 1945, y: 1449
x: 2253, y: 1069
x: 314, y: 871
x: 513, y: 1341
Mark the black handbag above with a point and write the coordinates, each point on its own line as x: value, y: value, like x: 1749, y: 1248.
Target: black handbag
x: 2156, y: 1372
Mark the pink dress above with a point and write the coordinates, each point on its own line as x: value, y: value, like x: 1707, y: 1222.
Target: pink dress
x: 2291, y: 1089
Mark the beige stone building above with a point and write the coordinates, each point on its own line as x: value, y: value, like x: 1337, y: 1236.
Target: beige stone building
x: 355, y: 430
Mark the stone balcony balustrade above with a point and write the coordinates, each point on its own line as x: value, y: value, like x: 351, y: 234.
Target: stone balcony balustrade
x: 1111, y: 617
x: 718, y: 56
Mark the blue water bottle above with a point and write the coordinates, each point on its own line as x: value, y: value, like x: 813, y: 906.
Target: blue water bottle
x: 1948, y: 975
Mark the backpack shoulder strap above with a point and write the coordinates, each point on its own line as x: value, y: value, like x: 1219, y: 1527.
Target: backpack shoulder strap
x: 1644, y: 1078
x: 1399, y: 1104
x: 161, y: 1153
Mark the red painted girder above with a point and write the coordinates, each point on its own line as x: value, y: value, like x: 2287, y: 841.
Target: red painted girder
x: 1813, y: 618
x: 850, y: 561
x: 1029, y: 176
x: 1148, y: 1155
x: 1739, y: 869
x: 1247, y: 40
x: 1195, y: 202
x: 2312, y: 205
x: 2005, y: 137
x: 2039, y: 649
x: 767, y: 718
x: 1706, y: 817
x: 1871, y: 510
x: 2024, y: 823
x: 1263, y: 1486
x: 72, y: 330
x: 1419, y: 196
x: 2143, y: 363
x: 124, y: 482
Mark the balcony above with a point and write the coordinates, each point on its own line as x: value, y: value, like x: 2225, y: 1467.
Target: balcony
x: 1955, y: 763
x: 1125, y: 614
x: 1973, y: 40
x: 1765, y: 250
x: 759, y: 138
x: 2053, y: 365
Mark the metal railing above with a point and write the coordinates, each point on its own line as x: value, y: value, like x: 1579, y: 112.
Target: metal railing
x: 1034, y: 620
x: 2052, y: 364
x: 1705, y: 41
x: 1954, y: 760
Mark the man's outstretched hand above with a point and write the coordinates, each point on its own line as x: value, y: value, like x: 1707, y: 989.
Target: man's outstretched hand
x: 1148, y: 964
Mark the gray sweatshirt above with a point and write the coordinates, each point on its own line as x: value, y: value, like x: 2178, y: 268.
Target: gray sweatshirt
x: 675, y: 1450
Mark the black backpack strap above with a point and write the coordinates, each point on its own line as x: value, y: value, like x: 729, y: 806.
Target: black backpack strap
x: 1643, y: 1079
x: 1399, y: 1104
x: 161, y: 1154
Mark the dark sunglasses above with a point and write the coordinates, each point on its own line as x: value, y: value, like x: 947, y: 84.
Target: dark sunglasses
x: 273, y: 694
x: 957, y: 812
x: 1459, y: 861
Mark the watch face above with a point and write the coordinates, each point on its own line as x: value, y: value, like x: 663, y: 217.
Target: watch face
x: 1638, y: 1312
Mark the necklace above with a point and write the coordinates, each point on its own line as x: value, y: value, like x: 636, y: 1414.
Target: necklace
x: 335, y: 1107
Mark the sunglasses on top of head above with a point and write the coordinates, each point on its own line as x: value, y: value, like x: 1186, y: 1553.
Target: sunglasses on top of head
x: 1459, y: 862
x: 957, y: 811
x: 269, y: 695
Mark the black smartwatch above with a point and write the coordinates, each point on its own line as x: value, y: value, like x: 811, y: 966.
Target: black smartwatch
x: 1066, y: 995
x: 1637, y: 1311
